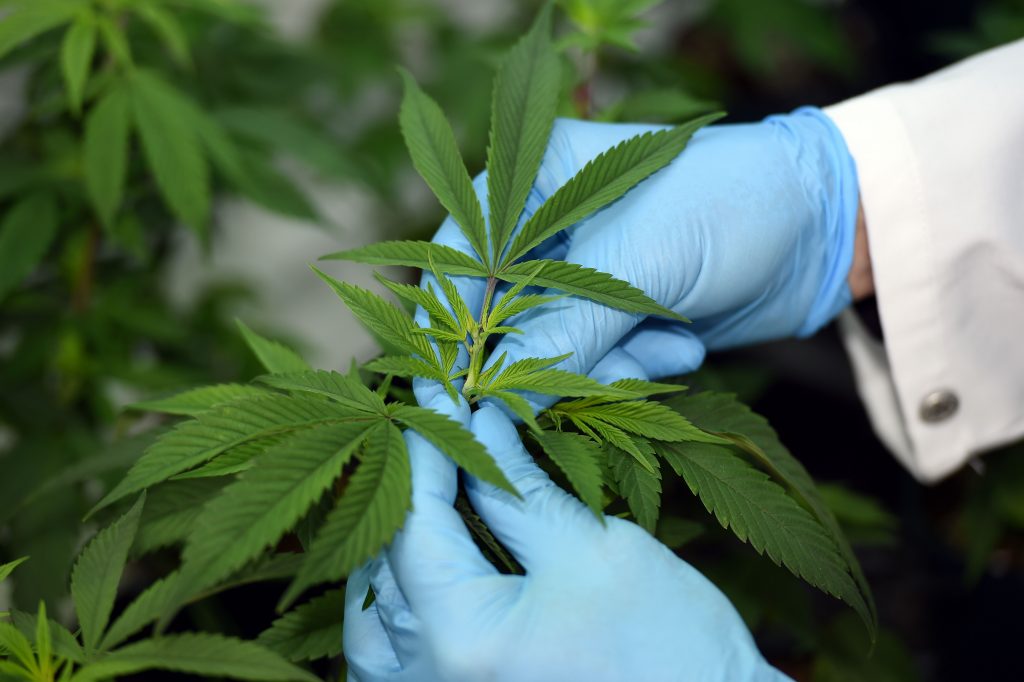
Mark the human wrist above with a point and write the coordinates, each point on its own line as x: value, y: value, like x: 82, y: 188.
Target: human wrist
x: 860, y: 279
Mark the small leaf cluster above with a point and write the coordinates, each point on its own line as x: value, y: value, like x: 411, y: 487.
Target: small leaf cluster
x: 321, y: 455
x: 38, y: 649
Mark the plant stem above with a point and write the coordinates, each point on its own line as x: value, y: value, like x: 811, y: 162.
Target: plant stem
x: 479, y: 337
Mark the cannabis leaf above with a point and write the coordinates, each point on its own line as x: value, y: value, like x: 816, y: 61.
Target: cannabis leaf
x: 273, y: 355
x: 413, y: 254
x: 435, y: 155
x: 8, y: 568
x: 97, y: 573
x: 105, y: 152
x: 218, y: 430
x: 723, y: 414
x: 255, y: 511
x: 586, y: 282
x: 26, y: 233
x: 603, y: 180
x: 198, y: 400
x: 522, y: 114
x: 310, y: 631
x: 452, y: 439
x: 198, y: 654
x: 640, y: 485
x: 373, y: 507
x: 581, y: 460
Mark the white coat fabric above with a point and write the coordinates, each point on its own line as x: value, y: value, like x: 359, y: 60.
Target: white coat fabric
x: 941, y: 170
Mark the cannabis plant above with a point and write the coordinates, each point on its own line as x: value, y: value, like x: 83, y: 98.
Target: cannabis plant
x: 320, y: 455
x: 39, y: 649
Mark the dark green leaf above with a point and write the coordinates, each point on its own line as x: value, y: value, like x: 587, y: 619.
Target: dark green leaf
x: 196, y: 653
x: 63, y: 642
x: 349, y: 391
x: 760, y: 512
x: 723, y: 414
x: 164, y: 118
x: 29, y: 19
x: 105, y: 152
x: 26, y: 233
x: 255, y: 511
x: 582, y: 460
x: 218, y: 430
x: 97, y: 573
x: 76, y: 54
x: 522, y: 114
x: 167, y: 28
x: 588, y: 283
x: 413, y: 254
x: 641, y: 486
x: 274, y: 356
x: 310, y: 631
x: 371, y: 509
x: 455, y: 441
x: 436, y: 156
x: 198, y: 400
x: 603, y: 180
x: 389, y: 324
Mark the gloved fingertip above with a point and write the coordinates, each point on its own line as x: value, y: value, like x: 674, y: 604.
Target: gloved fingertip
x: 617, y: 364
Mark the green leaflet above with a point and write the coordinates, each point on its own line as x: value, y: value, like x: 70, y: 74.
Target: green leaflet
x: 198, y: 400
x: 372, y: 508
x: 555, y: 382
x: 642, y: 417
x: 582, y: 461
x: 603, y: 180
x: 348, y: 391
x: 198, y: 654
x: 255, y: 511
x: 105, y: 152
x: 29, y: 19
x: 389, y: 324
x: 171, y: 511
x: 17, y: 646
x: 455, y: 441
x: 8, y: 568
x: 163, y: 118
x: 76, y: 52
x: 166, y: 28
x: 413, y: 254
x: 641, y: 486
x: 759, y: 511
x: 404, y: 366
x: 274, y: 356
x: 723, y: 414
x: 62, y: 642
x: 115, y: 40
x: 428, y: 300
x: 161, y: 597
x: 310, y: 631
x: 522, y: 114
x: 588, y: 283
x: 248, y: 172
x: 213, y: 432
x: 519, y: 406
x: 233, y: 461
x: 26, y: 233
x: 97, y: 573
x: 435, y: 155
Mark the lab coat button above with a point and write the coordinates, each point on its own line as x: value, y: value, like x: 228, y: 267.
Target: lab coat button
x: 939, y: 406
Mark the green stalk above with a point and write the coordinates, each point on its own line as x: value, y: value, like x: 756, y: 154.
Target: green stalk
x: 479, y: 337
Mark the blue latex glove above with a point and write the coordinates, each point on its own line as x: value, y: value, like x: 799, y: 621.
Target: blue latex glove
x: 749, y: 233
x: 598, y: 602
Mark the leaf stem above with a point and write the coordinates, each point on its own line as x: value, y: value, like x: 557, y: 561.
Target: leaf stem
x: 478, y: 338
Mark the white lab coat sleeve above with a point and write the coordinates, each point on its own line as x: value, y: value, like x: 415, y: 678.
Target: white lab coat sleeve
x: 940, y: 163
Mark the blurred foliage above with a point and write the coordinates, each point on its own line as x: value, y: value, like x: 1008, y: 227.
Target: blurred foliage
x: 996, y: 22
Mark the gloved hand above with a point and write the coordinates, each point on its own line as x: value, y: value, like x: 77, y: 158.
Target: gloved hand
x: 749, y: 233
x: 598, y: 602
